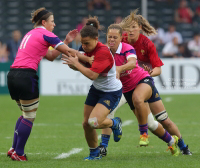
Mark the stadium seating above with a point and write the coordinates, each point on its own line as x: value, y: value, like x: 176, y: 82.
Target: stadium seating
x: 16, y: 15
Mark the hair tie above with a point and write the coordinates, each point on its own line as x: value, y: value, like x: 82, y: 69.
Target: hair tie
x: 40, y: 14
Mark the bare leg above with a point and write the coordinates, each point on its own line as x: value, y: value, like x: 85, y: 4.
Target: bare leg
x: 170, y: 126
x: 90, y: 133
x: 142, y: 92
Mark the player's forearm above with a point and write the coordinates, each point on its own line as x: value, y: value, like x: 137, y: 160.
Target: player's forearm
x: 128, y: 66
x: 52, y: 54
x: 73, y: 67
x: 86, y: 71
x: 55, y: 53
x: 156, y: 71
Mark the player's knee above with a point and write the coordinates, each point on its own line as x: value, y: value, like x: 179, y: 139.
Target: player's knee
x: 137, y: 100
x: 152, y: 124
x: 93, y: 122
x: 162, y: 116
x: 85, y: 124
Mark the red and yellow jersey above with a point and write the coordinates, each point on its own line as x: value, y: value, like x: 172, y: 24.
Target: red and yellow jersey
x: 145, y: 51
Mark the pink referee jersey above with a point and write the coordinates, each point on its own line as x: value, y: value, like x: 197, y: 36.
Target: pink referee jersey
x: 34, y: 47
x: 129, y: 78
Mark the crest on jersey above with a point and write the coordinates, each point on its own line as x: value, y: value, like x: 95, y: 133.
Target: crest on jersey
x: 157, y: 95
x: 107, y: 102
x: 142, y: 51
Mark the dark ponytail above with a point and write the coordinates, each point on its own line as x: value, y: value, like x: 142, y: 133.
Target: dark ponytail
x: 91, y: 28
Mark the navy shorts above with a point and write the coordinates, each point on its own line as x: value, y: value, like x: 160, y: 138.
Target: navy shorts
x: 155, y: 96
x: 23, y: 84
x: 128, y: 95
x: 109, y: 99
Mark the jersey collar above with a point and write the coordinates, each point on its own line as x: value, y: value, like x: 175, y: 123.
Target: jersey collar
x: 40, y: 27
x: 119, y: 48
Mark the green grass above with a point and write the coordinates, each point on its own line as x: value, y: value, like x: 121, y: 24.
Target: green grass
x: 58, y: 129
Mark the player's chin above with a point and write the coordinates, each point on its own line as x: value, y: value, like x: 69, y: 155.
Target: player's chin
x: 131, y: 36
x: 87, y: 51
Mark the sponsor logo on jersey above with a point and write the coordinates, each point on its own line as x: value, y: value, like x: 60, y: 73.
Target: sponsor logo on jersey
x: 142, y: 51
x: 107, y: 102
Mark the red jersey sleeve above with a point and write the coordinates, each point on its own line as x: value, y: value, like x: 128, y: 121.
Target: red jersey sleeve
x: 103, y: 61
x: 153, y: 56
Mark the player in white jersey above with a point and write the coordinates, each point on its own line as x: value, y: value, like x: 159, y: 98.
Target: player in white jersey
x: 105, y: 92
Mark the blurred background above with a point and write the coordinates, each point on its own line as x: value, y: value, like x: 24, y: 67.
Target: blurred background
x: 58, y: 124
x: 177, y: 23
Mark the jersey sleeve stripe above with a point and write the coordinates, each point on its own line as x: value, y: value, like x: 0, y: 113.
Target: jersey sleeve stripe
x: 130, y: 51
x: 132, y: 55
x: 51, y: 40
x: 58, y: 44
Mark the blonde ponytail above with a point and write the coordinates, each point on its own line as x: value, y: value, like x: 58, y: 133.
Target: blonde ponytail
x: 140, y: 20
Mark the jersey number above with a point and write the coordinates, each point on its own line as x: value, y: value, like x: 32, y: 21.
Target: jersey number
x: 24, y: 41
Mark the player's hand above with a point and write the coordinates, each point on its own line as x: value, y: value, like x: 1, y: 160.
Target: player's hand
x: 146, y: 68
x: 71, y: 36
x: 73, y: 67
x: 91, y: 59
x: 70, y: 60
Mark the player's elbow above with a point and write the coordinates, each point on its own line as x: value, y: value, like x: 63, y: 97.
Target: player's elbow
x: 50, y: 56
x: 93, y: 76
x: 51, y: 59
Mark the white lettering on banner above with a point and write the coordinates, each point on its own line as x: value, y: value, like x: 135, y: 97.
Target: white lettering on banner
x: 72, y: 88
x: 179, y: 76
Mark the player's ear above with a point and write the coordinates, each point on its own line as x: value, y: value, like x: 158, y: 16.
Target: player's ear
x: 43, y: 22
